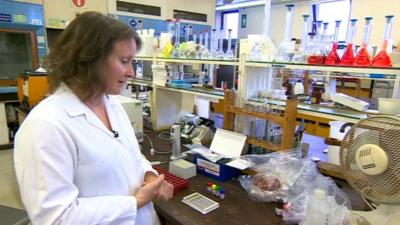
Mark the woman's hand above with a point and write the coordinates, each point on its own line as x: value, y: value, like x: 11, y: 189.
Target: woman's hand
x: 165, y: 191
x: 149, y: 191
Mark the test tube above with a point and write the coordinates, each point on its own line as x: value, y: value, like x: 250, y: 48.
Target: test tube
x: 195, y: 37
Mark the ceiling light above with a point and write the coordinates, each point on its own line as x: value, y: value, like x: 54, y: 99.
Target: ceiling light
x: 239, y: 5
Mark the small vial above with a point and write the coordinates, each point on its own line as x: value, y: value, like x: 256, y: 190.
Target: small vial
x: 209, y: 184
x: 222, y: 194
x: 279, y: 207
x: 213, y: 188
x: 217, y: 190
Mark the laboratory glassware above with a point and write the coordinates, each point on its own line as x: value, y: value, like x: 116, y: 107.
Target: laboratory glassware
x: 175, y: 53
x: 214, y: 44
x: 348, y: 56
x: 383, y: 59
x: 220, y: 40
x: 314, y: 54
x: 205, y: 53
x: 333, y: 57
x: 363, y: 57
x: 300, y: 55
x: 325, y: 40
x: 285, y: 50
x: 229, y: 53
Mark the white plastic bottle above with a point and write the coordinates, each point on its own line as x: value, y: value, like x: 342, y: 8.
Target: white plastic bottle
x: 298, y: 88
x: 317, y: 209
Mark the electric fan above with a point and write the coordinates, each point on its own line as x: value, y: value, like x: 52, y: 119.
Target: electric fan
x: 370, y: 158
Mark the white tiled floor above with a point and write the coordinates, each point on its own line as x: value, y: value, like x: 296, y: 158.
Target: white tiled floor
x: 9, y: 194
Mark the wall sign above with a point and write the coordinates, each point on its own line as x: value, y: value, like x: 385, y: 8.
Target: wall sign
x: 79, y: 3
x: 243, y: 21
x: 132, y: 23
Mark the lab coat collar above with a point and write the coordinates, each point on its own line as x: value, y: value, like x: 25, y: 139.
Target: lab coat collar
x: 73, y: 105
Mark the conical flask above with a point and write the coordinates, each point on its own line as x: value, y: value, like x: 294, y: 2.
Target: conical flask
x: 363, y: 57
x: 300, y: 55
x: 285, y: 50
x: 348, y: 56
x: 333, y: 57
x: 383, y: 58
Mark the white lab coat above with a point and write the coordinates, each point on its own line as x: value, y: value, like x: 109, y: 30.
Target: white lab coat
x: 72, y: 170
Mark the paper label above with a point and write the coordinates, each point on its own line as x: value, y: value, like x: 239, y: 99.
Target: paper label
x: 208, y: 167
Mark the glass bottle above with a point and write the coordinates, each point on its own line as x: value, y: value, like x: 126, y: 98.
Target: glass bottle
x: 363, y: 57
x: 348, y: 56
x: 383, y: 59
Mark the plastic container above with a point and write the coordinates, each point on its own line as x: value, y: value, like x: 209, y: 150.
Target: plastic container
x: 389, y: 106
x: 298, y: 88
x: 318, y: 209
x: 176, y: 181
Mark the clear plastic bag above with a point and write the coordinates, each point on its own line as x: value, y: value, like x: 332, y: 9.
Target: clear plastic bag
x: 285, y: 176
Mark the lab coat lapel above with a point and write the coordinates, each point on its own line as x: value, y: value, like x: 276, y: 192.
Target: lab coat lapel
x: 75, y: 107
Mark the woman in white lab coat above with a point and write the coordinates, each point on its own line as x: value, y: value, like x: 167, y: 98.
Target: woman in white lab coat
x: 76, y: 157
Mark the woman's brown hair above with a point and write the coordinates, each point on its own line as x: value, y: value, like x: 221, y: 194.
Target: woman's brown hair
x: 76, y: 56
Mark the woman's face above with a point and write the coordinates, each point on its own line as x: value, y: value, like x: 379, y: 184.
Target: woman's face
x: 118, y: 66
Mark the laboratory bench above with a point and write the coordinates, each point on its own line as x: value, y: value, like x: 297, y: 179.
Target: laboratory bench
x: 237, y: 208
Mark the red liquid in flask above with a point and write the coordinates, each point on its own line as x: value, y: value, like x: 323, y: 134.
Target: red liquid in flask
x: 333, y: 57
x: 363, y: 58
x: 382, y: 59
x: 348, y: 56
x: 315, y: 59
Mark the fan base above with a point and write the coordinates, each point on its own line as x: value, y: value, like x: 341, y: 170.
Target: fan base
x: 382, y: 215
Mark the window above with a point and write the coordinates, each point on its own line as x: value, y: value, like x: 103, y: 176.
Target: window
x: 138, y: 8
x: 190, y: 15
x: 230, y: 20
x: 332, y: 11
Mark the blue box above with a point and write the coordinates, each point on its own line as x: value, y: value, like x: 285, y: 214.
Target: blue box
x: 217, y: 170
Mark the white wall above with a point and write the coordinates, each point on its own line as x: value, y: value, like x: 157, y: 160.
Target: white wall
x: 57, y: 10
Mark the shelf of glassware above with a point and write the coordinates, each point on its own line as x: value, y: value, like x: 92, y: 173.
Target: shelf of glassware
x: 231, y: 62
x: 332, y: 113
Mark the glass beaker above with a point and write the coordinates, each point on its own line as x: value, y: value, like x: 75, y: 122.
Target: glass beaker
x: 363, y: 58
x: 333, y: 57
x: 383, y: 59
x: 348, y: 56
